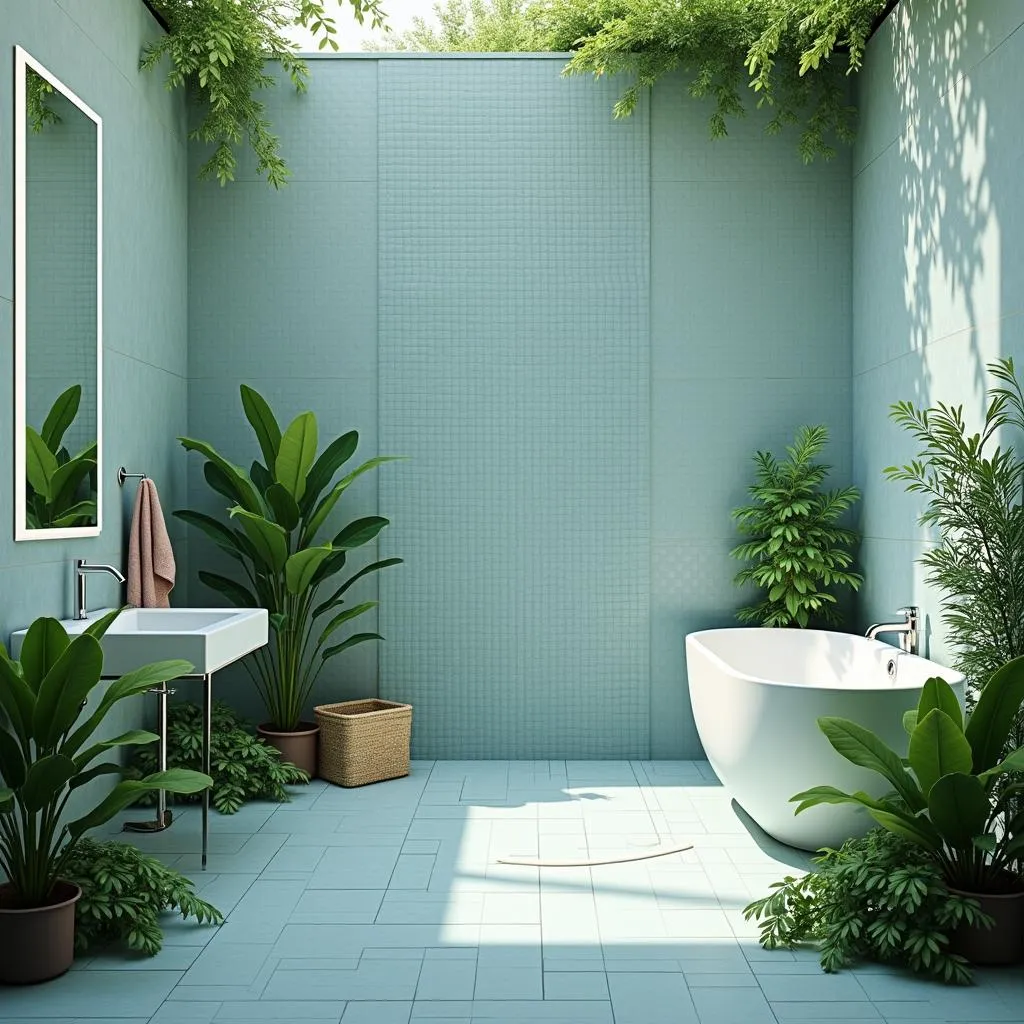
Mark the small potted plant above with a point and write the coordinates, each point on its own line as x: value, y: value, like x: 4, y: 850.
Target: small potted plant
x: 277, y: 511
x: 951, y: 800
x: 47, y: 752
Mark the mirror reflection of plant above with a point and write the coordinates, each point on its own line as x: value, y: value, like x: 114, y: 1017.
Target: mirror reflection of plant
x: 875, y: 898
x: 282, y: 504
x: 800, y: 553
x: 61, y: 488
x: 48, y: 750
x: 242, y: 766
x: 124, y: 894
x: 37, y: 92
x: 973, y: 487
x: 218, y: 51
x: 949, y: 797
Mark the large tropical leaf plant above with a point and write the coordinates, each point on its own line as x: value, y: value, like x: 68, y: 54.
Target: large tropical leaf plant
x: 48, y: 750
x: 950, y: 797
x: 61, y: 487
x: 271, y: 528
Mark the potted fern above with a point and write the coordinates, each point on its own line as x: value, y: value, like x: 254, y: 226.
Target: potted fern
x: 48, y: 750
x: 800, y: 555
x: 278, y: 509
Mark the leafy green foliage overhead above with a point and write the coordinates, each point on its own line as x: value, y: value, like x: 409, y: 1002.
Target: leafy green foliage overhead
x: 242, y: 766
x: 124, y: 892
x: 218, y: 51
x: 876, y: 899
x: 972, y: 483
x: 472, y: 26
x: 799, y: 553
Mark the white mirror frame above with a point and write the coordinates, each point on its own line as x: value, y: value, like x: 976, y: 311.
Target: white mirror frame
x: 23, y: 61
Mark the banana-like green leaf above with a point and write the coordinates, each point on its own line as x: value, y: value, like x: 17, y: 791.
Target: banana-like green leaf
x: 334, y: 600
x: 17, y: 699
x: 998, y: 706
x: 174, y: 780
x: 262, y: 421
x: 261, y: 477
x: 360, y: 532
x: 224, y: 538
x: 239, y: 484
x: 283, y: 505
x: 917, y: 830
x: 12, y: 759
x: 40, y: 464
x: 81, y: 514
x: 129, y: 685
x: 358, y: 638
x: 61, y: 415
x: 65, y: 688
x: 830, y: 795
x: 377, y: 460
x: 958, y: 806
x: 938, y: 747
x: 910, y: 721
x: 937, y: 693
x: 220, y: 482
x: 301, y: 567
x: 296, y: 454
x: 862, y: 747
x: 330, y: 566
x: 66, y: 481
x: 99, y: 628
x: 106, y: 768
x: 1013, y: 762
x: 268, y: 539
x: 6, y: 800
x: 44, y: 643
x: 45, y: 781
x: 331, y: 459
x: 341, y: 618
x: 986, y: 843
x: 134, y: 737
x: 322, y: 511
x: 235, y: 592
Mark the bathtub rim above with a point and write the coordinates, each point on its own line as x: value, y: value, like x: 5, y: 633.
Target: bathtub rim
x: 723, y: 666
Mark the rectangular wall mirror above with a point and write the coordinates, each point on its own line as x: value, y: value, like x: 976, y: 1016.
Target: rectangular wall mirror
x: 58, y: 290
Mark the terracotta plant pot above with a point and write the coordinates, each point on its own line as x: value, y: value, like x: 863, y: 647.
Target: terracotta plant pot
x: 1003, y: 943
x: 297, y: 746
x: 38, y: 943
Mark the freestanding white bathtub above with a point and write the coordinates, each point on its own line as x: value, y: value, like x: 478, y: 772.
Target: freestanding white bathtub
x: 757, y: 695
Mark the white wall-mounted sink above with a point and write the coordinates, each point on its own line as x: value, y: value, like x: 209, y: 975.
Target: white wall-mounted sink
x: 210, y: 638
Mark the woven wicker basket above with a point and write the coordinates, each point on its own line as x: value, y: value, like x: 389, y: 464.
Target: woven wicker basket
x: 363, y: 741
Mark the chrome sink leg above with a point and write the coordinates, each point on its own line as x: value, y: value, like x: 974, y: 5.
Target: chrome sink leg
x: 164, y: 816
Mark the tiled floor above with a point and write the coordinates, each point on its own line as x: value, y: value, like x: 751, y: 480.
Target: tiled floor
x: 385, y: 905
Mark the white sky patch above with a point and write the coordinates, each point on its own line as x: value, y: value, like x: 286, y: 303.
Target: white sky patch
x: 351, y: 35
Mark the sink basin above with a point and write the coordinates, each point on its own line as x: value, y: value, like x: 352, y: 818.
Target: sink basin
x: 210, y: 638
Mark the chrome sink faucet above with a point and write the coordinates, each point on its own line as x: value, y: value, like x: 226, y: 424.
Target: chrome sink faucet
x: 907, y: 629
x: 82, y: 570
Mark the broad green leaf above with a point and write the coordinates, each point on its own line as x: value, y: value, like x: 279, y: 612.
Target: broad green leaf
x: 65, y: 688
x: 862, y: 747
x: 236, y: 593
x: 98, y: 628
x: 6, y: 800
x: 938, y: 747
x: 322, y: 511
x: 83, y: 778
x: 1013, y: 762
x: 377, y: 460
x: 12, y: 759
x: 61, y: 415
x: 332, y: 565
x: 331, y: 459
x: 341, y: 618
x: 910, y: 721
x: 231, y: 477
x: 66, y: 481
x: 260, y: 476
x: 134, y: 737
x: 268, y: 539
x: 82, y: 513
x: 174, y: 780
x: 40, y: 464
x: 352, y: 641
x: 225, y: 538
x: 830, y: 795
x: 998, y: 705
x: 937, y: 693
x: 917, y: 830
x: 296, y: 454
x: 262, y: 421
x: 45, y: 781
x: 986, y: 842
x: 220, y: 482
x: 958, y: 806
x: 334, y: 600
x: 283, y: 505
x: 44, y: 643
x: 301, y: 567
x: 17, y: 700
x: 360, y: 532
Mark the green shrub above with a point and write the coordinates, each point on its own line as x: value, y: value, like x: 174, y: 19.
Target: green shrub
x: 243, y: 766
x: 124, y: 892
x: 877, y: 898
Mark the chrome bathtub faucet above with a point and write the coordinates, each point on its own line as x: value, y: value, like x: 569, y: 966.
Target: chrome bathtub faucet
x: 82, y: 570
x: 907, y: 629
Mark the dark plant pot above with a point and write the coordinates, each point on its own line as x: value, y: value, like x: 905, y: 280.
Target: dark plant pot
x: 1003, y: 943
x: 38, y: 943
x: 297, y: 746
